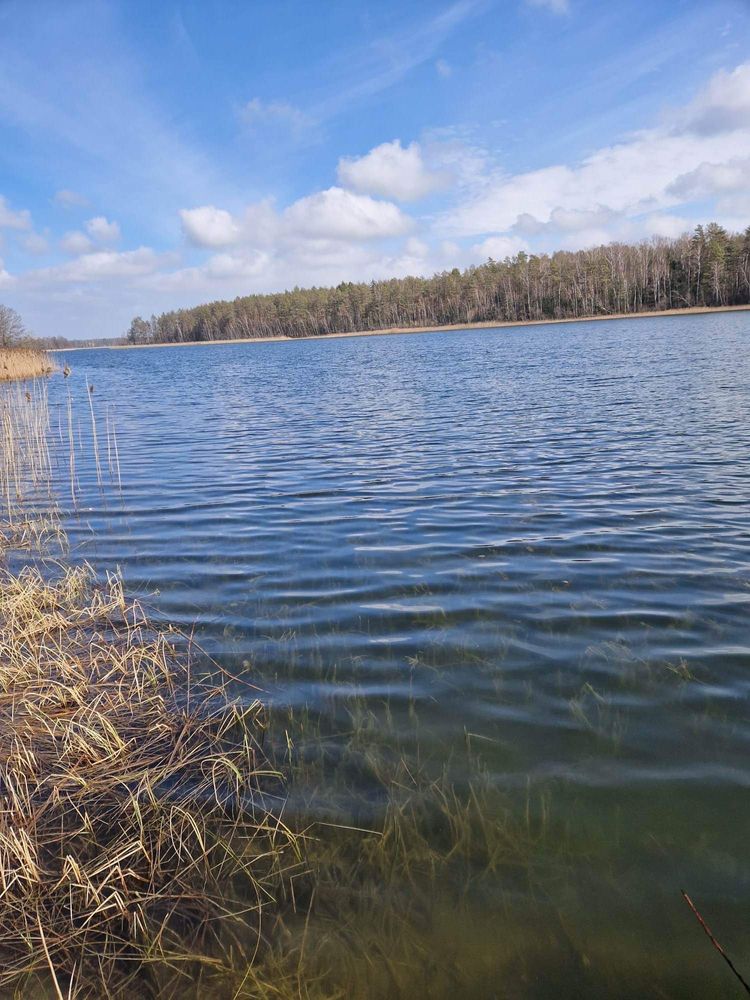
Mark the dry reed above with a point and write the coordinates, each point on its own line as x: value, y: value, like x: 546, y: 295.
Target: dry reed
x: 24, y: 465
x: 23, y: 363
x: 130, y: 834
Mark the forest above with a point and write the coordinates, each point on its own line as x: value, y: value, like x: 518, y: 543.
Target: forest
x: 709, y: 267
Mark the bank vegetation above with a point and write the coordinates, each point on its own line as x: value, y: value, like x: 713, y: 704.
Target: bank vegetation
x: 708, y: 268
x: 20, y: 357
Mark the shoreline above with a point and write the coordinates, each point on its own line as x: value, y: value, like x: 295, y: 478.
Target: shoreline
x: 447, y: 328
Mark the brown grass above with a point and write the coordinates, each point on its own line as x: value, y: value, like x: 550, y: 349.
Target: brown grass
x: 23, y: 363
x: 130, y: 841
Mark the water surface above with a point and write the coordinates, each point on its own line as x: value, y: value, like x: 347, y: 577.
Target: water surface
x: 533, y: 541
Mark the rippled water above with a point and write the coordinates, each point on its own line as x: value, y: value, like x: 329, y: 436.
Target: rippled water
x: 533, y: 540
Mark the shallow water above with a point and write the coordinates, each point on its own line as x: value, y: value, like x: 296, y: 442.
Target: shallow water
x: 534, y: 542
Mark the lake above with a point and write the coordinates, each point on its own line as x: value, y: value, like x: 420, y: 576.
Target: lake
x: 522, y: 554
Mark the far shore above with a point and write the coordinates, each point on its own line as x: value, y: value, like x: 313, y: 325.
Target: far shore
x: 389, y: 331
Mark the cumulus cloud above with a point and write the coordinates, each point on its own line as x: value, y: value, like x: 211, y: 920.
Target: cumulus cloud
x: 102, y: 230
x: 209, y: 226
x: 333, y: 214
x: 340, y: 214
x: 391, y: 171
x: 13, y: 219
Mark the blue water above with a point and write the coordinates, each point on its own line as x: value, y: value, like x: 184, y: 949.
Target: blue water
x: 538, y: 536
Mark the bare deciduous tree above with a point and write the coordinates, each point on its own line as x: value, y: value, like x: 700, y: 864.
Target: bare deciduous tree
x: 12, y: 329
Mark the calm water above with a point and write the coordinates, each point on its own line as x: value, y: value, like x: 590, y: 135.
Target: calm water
x: 539, y: 537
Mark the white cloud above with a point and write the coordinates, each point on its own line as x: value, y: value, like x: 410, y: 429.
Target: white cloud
x: 232, y: 266
x: 11, y: 219
x: 70, y: 199
x: 75, y: 243
x: 444, y: 68
x: 556, y: 6
x: 710, y: 179
x: 733, y: 211
x: 334, y: 214
x: 5, y: 278
x: 343, y: 215
x: 104, y: 264
x: 498, y: 247
x: 392, y: 171
x: 102, y: 230
x: 722, y: 106
x: 664, y: 224
x: 644, y: 173
x: 415, y: 247
x: 208, y: 226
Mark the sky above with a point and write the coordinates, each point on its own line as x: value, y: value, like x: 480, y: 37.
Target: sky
x: 161, y: 154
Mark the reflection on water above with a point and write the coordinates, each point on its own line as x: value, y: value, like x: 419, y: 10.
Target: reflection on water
x: 532, y: 542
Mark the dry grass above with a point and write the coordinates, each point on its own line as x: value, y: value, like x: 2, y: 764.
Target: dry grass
x: 23, y: 363
x: 131, y: 843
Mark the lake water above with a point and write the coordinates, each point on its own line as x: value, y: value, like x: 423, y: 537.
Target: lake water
x: 524, y: 551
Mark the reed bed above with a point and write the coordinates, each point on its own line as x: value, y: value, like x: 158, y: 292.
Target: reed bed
x: 23, y: 363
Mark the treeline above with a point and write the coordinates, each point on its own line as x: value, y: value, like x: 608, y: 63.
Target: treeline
x: 709, y: 267
x: 14, y: 334
x: 63, y: 343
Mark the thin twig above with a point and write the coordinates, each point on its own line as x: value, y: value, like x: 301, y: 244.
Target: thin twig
x: 713, y: 940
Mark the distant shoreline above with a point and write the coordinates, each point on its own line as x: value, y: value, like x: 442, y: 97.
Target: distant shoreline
x: 390, y: 331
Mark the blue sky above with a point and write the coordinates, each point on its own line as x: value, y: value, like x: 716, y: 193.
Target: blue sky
x: 166, y: 153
